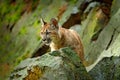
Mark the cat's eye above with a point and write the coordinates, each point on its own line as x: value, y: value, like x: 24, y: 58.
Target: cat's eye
x: 52, y: 26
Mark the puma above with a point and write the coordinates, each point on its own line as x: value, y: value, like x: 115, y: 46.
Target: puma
x: 57, y: 37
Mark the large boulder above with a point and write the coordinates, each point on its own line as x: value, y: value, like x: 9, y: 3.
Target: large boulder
x: 57, y: 65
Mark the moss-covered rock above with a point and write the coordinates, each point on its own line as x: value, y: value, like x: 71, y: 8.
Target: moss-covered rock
x: 107, y: 44
x: 58, y: 65
x: 107, y: 69
x: 96, y: 49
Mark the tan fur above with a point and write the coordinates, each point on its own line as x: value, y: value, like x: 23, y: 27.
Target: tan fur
x: 68, y: 38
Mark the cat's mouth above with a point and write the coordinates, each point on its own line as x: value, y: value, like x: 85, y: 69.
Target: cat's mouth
x: 47, y: 41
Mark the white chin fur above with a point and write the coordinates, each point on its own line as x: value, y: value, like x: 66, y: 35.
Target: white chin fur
x: 47, y: 44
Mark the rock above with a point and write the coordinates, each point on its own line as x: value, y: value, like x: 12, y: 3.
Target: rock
x: 57, y: 65
x: 107, y: 42
x: 115, y: 7
x: 107, y: 69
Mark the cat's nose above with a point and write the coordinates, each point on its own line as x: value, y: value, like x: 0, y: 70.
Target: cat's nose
x: 43, y: 39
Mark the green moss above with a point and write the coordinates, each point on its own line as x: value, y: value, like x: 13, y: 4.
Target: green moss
x: 73, y: 1
x: 7, y: 38
x: 36, y: 23
x: 21, y: 58
x: 23, y: 31
x: 11, y: 12
x: 90, y: 27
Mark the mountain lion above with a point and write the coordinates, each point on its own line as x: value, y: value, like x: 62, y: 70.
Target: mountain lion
x: 57, y: 37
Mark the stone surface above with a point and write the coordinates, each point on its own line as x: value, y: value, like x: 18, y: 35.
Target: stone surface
x: 58, y: 65
x: 107, y: 44
x: 107, y: 69
x: 108, y: 38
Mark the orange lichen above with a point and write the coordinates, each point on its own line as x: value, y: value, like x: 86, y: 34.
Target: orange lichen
x: 34, y: 74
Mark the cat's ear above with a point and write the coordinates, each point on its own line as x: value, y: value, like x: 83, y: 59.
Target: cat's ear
x: 54, y: 23
x: 42, y: 22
